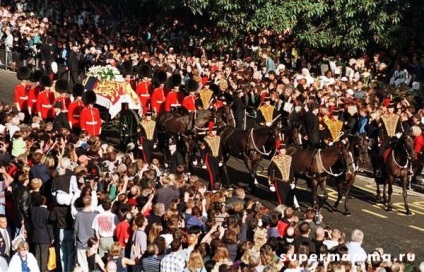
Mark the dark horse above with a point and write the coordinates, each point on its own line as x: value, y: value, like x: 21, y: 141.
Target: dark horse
x: 183, y: 127
x: 249, y: 145
x: 224, y: 117
x: 358, y: 151
x: 397, y: 161
x: 317, y: 164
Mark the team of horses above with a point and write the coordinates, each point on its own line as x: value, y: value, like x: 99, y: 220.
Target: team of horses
x: 316, y: 165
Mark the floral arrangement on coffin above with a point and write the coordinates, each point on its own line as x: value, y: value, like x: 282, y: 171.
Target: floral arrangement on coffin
x: 104, y: 73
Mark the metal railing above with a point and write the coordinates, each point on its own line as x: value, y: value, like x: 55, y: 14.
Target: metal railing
x: 12, y: 60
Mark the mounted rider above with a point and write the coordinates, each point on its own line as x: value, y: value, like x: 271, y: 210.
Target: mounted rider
x: 266, y: 113
x: 389, y: 127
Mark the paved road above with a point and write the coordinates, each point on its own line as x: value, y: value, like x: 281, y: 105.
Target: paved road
x: 395, y: 232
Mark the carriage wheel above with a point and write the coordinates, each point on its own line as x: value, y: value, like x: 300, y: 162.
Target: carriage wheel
x: 128, y: 123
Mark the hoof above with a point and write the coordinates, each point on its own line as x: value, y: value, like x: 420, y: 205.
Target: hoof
x: 347, y: 213
x: 334, y: 209
x: 378, y: 197
x: 408, y: 212
x: 389, y: 209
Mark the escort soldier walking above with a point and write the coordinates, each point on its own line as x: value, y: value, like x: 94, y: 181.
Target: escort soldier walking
x: 144, y: 87
x: 159, y: 94
x: 21, y: 90
x: 147, y: 137
x: 90, y: 116
x: 280, y: 174
x: 75, y: 108
x: 45, y: 100
x: 213, y: 155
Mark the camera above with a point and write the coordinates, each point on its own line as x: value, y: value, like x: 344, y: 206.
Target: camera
x: 317, y: 218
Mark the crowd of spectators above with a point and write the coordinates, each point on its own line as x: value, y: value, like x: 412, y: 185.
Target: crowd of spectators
x: 107, y: 210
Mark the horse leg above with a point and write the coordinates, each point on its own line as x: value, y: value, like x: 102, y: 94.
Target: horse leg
x: 385, y: 191
x: 350, y: 180
x: 339, y: 184
x: 389, y: 183
x: 405, y: 193
x: 249, y: 162
x: 314, y: 189
x: 224, y: 168
x: 323, y: 186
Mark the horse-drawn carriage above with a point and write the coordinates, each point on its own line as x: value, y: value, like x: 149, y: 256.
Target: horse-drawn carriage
x: 119, y: 105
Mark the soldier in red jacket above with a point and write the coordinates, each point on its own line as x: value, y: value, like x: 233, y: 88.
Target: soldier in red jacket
x: 34, y: 92
x: 45, y: 100
x: 62, y: 88
x: 22, y: 89
x: 75, y: 108
x: 159, y: 94
x: 90, y: 117
x: 144, y: 87
x: 174, y: 99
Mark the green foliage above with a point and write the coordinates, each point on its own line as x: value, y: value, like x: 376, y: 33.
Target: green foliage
x: 336, y: 25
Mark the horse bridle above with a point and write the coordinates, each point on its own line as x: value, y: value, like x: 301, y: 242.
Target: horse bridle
x: 256, y: 148
x: 322, y: 166
x: 408, y: 158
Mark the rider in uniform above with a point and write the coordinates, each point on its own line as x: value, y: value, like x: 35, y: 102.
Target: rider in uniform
x: 280, y: 174
x: 75, y: 108
x: 147, y: 137
x: 22, y: 89
x: 174, y: 98
x: 159, y: 94
x: 206, y: 96
x: 212, y: 154
x: 388, y: 128
x: 266, y: 113
x: 90, y: 116
x: 333, y: 127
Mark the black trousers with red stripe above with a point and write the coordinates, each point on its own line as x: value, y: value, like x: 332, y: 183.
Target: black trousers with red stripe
x: 282, y: 188
x: 212, y: 165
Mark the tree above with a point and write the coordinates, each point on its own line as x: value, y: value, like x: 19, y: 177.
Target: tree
x: 338, y: 25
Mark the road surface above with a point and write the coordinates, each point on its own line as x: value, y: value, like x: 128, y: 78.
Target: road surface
x: 395, y: 232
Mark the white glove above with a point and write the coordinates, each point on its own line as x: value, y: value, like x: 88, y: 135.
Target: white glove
x: 398, y: 135
x: 195, y: 162
x: 220, y: 164
x: 154, y: 146
x: 331, y: 144
x: 140, y: 147
x: 166, y: 165
x: 292, y: 186
x: 268, y: 124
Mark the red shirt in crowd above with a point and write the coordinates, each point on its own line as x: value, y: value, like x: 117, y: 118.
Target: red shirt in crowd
x: 123, y: 232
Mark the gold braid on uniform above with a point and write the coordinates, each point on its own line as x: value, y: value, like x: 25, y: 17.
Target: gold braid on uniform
x: 214, y: 143
x: 334, y: 126
x: 390, y: 122
x: 283, y: 162
x: 267, y: 112
x: 149, y: 128
x: 205, y: 96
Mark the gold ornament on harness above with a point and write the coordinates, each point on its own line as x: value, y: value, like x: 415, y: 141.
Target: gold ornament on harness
x: 267, y: 112
x: 335, y: 127
x: 283, y: 163
x: 214, y: 143
x: 149, y: 128
x: 205, y: 96
x: 390, y: 122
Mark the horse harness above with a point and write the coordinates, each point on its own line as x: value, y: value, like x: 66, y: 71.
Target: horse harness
x: 251, y: 139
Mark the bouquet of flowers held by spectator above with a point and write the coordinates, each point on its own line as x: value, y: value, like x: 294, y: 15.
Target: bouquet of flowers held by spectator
x: 104, y: 73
